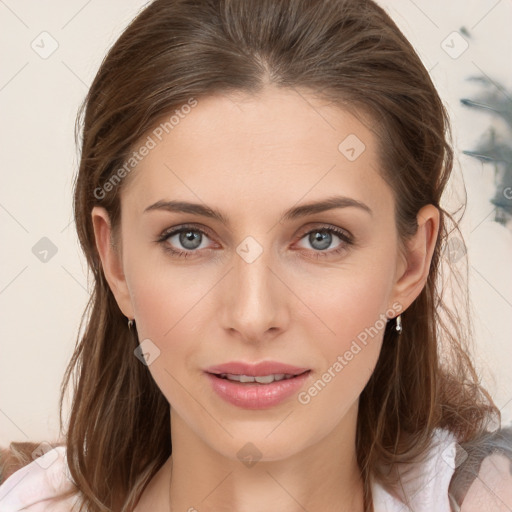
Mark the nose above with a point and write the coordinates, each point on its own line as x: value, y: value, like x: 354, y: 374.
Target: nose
x: 255, y: 308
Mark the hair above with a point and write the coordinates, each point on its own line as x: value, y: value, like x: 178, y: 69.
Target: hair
x: 352, y: 54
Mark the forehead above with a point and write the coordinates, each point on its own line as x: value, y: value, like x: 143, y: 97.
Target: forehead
x: 282, y: 146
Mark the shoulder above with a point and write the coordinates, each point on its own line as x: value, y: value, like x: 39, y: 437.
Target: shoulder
x: 31, y: 487
x: 452, y: 477
x: 482, y: 481
x: 422, y: 483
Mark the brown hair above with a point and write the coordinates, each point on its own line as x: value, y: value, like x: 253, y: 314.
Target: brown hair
x: 351, y: 53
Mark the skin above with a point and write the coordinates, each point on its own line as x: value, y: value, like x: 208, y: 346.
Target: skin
x: 491, y: 491
x: 253, y: 157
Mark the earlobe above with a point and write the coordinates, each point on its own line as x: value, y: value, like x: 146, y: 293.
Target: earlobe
x: 419, y: 251
x: 111, y: 259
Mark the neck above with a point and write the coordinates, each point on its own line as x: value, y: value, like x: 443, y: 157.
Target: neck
x: 323, y: 476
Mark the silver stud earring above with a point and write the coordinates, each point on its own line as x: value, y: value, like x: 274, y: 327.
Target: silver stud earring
x: 398, y: 325
x: 130, y: 323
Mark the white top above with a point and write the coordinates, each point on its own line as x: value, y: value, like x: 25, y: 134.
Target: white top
x: 29, y: 488
x: 426, y: 483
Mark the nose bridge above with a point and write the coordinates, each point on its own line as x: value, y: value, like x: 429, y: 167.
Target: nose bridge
x: 254, y: 306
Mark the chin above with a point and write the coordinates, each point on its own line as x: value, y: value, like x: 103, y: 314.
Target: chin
x: 260, y: 447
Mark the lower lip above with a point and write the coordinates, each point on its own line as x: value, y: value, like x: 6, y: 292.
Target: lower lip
x: 256, y: 396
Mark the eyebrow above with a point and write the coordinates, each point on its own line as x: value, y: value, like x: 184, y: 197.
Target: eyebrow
x: 291, y: 214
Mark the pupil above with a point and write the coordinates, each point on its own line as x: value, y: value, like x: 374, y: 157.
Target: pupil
x: 187, y: 239
x: 321, y: 237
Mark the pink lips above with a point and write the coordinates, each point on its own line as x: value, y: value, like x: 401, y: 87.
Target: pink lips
x: 253, y: 395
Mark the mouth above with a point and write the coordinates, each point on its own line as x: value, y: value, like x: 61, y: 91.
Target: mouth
x: 257, y: 391
x: 257, y: 379
x: 248, y: 370
x: 257, y: 385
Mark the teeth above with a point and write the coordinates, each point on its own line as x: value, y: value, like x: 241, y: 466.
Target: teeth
x: 267, y: 379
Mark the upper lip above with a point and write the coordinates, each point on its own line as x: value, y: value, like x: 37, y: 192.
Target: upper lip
x: 258, y: 369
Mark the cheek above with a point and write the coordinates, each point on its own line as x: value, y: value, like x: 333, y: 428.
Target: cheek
x: 348, y: 329
x: 164, y: 327
x: 349, y: 358
x: 168, y: 303
x: 349, y: 303
x: 167, y: 307
x: 164, y: 294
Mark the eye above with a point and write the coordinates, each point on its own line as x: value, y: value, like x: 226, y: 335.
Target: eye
x: 190, y: 238
x: 322, y: 237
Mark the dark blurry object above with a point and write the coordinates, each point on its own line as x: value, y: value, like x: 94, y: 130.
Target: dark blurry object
x: 496, y: 147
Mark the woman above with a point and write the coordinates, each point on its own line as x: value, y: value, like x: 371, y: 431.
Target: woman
x: 259, y: 201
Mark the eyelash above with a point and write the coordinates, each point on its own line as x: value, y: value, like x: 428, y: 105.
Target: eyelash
x: 342, y: 234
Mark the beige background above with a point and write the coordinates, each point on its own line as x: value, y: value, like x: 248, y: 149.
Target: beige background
x: 41, y: 303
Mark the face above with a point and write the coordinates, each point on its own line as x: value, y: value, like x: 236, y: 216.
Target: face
x: 312, y: 290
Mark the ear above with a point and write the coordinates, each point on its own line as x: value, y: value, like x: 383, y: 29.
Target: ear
x: 111, y: 260
x: 414, y: 266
